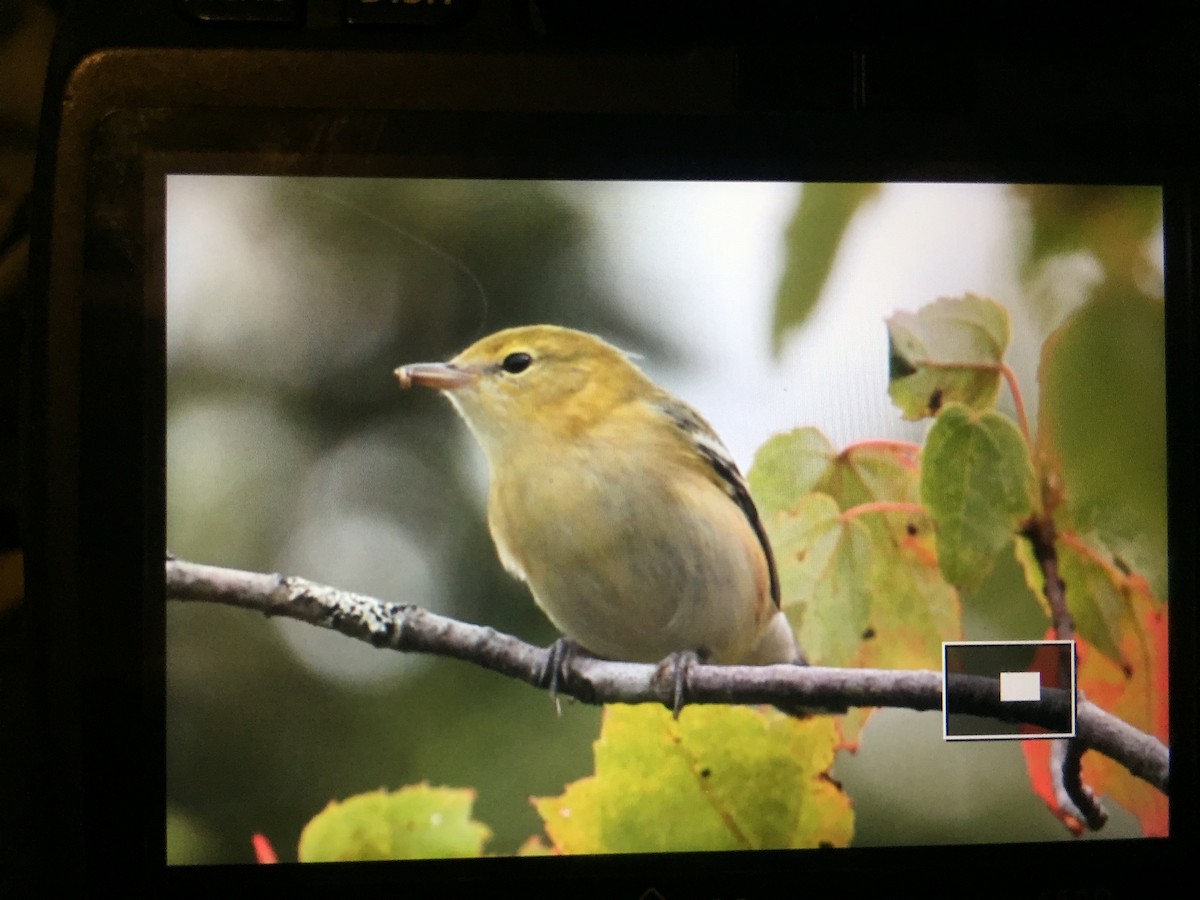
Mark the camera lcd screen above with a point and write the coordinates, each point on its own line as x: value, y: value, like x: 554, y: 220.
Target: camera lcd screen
x: 949, y: 404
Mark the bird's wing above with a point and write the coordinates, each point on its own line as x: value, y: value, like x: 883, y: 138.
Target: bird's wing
x: 728, y: 477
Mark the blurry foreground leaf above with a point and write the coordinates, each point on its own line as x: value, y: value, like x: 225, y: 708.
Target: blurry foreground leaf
x: 1112, y: 222
x: 188, y: 841
x: 813, y: 238
x: 718, y: 778
x: 1102, y: 425
x: 949, y: 351
x: 415, y: 822
x: 264, y: 850
x: 534, y: 846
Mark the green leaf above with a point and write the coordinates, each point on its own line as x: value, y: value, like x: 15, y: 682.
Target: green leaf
x: 415, y: 822
x: 813, y: 238
x: 718, y: 778
x: 949, y: 351
x: 1102, y: 426
x: 864, y: 589
x: 788, y: 466
x: 977, y: 481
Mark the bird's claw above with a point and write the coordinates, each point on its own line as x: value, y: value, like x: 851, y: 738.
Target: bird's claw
x: 556, y: 673
x: 679, y: 664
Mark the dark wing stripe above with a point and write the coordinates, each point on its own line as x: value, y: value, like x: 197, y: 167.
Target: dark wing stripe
x: 711, y: 448
x: 736, y: 487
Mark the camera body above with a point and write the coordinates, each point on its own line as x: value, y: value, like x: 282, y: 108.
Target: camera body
x: 703, y: 91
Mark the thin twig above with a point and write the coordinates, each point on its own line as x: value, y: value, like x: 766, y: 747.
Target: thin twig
x: 884, y: 506
x: 905, y: 448
x: 1042, y: 536
x: 1018, y: 401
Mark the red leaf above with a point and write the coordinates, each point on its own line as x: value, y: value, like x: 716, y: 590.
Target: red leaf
x: 264, y: 853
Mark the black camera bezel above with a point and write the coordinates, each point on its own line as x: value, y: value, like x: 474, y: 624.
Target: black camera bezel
x: 122, y: 116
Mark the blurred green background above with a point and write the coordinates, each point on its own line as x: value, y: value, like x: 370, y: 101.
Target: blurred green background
x: 290, y: 448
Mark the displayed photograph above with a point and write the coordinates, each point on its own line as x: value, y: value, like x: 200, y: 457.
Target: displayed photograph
x: 560, y: 518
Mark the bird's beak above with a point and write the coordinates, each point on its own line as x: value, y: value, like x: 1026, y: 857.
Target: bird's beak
x: 439, y: 376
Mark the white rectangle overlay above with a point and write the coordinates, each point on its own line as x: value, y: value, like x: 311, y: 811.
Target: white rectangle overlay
x: 1018, y: 687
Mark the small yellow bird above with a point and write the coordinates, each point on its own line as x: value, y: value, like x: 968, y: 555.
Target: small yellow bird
x: 614, y: 501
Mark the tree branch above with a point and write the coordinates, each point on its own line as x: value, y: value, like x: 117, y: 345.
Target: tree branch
x: 411, y: 628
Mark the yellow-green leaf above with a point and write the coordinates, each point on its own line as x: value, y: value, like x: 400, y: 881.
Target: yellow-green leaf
x: 949, y: 351
x: 823, y: 563
x: 718, y: 778
x: 873, y: 472
x: 415, y: 822
x: 913, y: 607
x: 977, y: 481
x: 534, y: 846
x: 788, y: 466
x: 859, y: 578
x: 801, y: 461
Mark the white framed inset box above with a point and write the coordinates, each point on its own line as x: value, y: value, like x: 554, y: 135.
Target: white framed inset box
x: 1024, y: 673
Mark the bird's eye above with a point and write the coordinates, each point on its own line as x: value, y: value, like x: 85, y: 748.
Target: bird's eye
x: 516, y: 362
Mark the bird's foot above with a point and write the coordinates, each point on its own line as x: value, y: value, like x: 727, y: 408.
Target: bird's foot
x: 556, y: 673
x: 678, y: 667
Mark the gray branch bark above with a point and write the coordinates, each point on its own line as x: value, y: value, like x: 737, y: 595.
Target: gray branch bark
x: 413, y: 629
